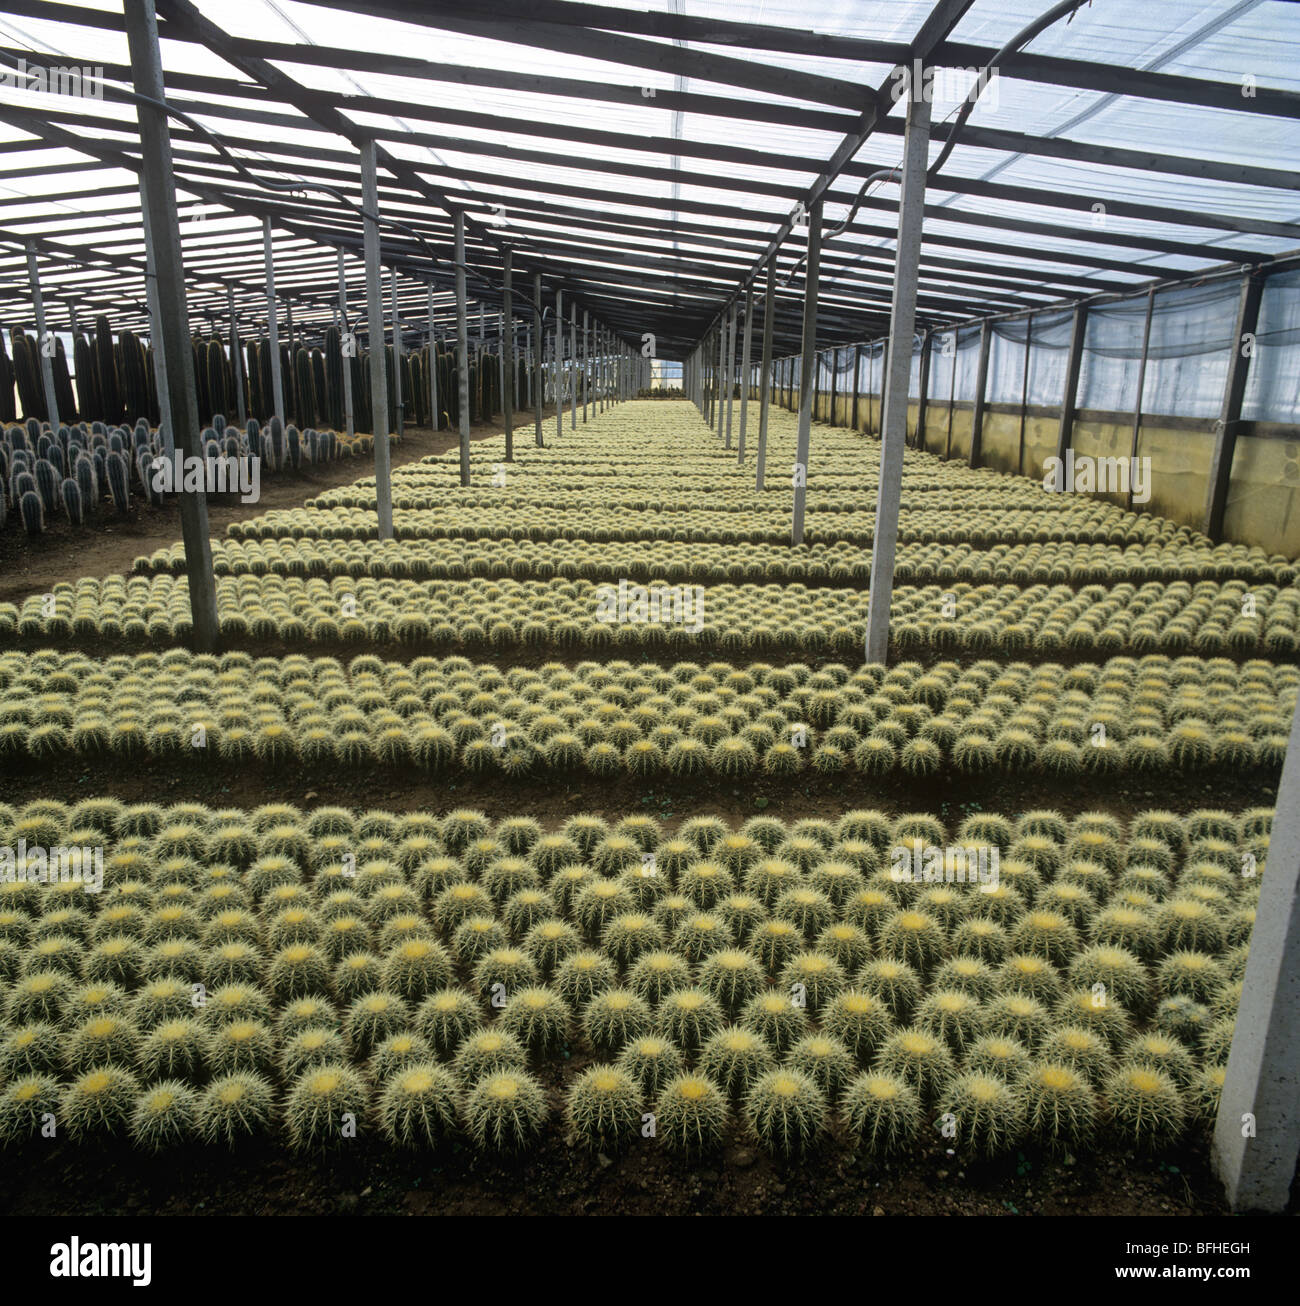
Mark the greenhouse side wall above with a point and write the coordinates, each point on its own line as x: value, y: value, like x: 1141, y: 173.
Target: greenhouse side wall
x: 1172, y: 344
x: 1264, y: 493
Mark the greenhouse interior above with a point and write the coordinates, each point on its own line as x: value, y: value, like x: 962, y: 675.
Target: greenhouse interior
x: 650, y: 607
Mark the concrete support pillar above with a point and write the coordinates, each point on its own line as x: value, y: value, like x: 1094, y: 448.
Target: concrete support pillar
x: 433, y: 361
x: 158, y: 192
x: 558, y: 333
x: 397, y: 355
x: 1257, y: 1132
x: 808, y: 373
x: 273, y: 324
x: 375, y: 336
x: 745, y: 368
x: 981, y: 385
x: 720, y: 410
x: 349, y: 414
x: 539, y: 359
x: 923, y: 387
x: 508, y: 368
x: 731, y: 367
x: 156, y: 338
x: 462, y: 347
x: 44, y: 341
x: 573, y: 366
x: 501, y: 362
x: 902, y: 326
x: 236, y: 358
x: 1070, y: 397
x: 765, y: 369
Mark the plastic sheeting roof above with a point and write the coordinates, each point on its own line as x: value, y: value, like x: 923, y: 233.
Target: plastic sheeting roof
x: 643, y: 156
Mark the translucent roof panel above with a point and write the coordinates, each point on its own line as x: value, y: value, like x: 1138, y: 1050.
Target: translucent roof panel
x: 646, y: 156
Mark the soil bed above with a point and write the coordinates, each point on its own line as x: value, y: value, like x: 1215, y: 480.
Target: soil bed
x: 553, y: 799
x: 557, y: 1179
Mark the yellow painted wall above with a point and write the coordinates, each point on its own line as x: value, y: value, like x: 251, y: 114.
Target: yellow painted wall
x: 1040, y: 443
x: 1263, y: 500
x: 1000, y: 441
x: 1264, y: 496
x: 1180, y: 473
x: 1105, y: 440
x: 961, y: 427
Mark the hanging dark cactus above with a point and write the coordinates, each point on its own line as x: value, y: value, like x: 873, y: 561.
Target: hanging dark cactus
x: 110, y: 393
x: 388, y: 385
x: 218, y: 377
x: 90, y: 403
x: 63, y: 395
x: 151, y: 386
x: 410, y: 391
x: 238, y: 375
x: 304, y: 389
x: 319, y: 388
x: 268, y: 386
x: 287, y: 381
x: 8, y: 408
x: 361, y: 391
x: 277, y: 444
x: 252, y: 396
x: 133, y: 372
x: 198, y: 348
x: 418, y: 404
x: 334, y: 377
x: 31, y: 394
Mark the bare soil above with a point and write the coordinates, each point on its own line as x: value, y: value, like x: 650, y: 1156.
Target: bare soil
x: 369, y: 1178
x: 551, y: 798
x: 570, y: 655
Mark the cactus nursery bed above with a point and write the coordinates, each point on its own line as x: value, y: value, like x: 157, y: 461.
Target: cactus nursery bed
x: 446, y: 893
